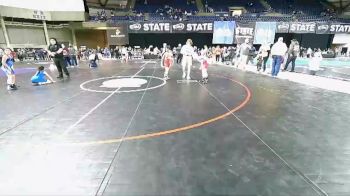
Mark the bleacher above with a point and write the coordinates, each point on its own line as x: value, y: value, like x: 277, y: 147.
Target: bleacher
x: 223, y: 5
x: 247, y: 18
x: 291, y: 10
x: 118, y: 18
x: 285, y: 18
x: 153, y: 5
x: 304, y: 7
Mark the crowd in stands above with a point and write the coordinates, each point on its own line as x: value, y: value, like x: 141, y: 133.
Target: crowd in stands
x: 158, y: 10
x: 252, y: 6
x: 150, y: 6
x: 170, y: 13
x: 109, y: 16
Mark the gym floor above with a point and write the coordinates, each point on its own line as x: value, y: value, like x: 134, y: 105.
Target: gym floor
x: 242, y: 134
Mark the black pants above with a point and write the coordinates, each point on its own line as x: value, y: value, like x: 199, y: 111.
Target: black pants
x: 217, y: 58
x: 264, y: 63
x: 290, y: 59
x: 61, y: 65
x: 179, y: 58
x: 258, y: 65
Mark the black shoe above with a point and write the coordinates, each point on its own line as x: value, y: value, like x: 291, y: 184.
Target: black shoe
x: 59, y: 77
x: 292, y: 71
x: 14, y: 87
x: 68, y: 76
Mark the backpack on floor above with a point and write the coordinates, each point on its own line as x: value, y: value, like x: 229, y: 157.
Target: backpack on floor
x: 93, y: 64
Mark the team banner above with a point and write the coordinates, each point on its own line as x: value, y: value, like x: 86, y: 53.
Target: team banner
x: 192, y: 27
x: 282, y: 27
x: 244, y: 30
x: 118, y: 35
x: 224, y: 32
x: 323, y: 28
x: 171, y: 27
x: 179, y: 27
x: 150, y: 27
x: 302, y: 27
x: 265, y: 32
x: 339, y: 28
x: 199, y: 27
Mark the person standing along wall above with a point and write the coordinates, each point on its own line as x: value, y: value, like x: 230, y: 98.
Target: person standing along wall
x: 315, y: 62
x: 217, y: 54
x: 264, y: 52
x: 293, y: 52
x: 278, y: 51
x: 309, y: 53
x: 66, y: 56
x: 244, y: 54
x: 73, y: 55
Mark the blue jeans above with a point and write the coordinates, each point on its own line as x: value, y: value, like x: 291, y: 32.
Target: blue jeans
x: 276, y: 64
x: 74, y: 60
x: 67, y: 61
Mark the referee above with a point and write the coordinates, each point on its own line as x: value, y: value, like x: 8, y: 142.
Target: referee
x: 56, y: 52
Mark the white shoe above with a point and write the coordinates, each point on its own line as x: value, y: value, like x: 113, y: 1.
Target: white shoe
x: 184, y: 75
x: 188, y: 78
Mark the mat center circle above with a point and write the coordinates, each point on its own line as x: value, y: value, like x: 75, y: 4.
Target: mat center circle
x: 124, y: 83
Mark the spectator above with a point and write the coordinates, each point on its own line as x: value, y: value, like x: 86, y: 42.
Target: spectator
x: 66, y: 56
x: 278, y: 51
x: 73, y: 55
x: 264, y: 51
x: 315, y: 62
x: 244, y: 51
x: 309, y: 53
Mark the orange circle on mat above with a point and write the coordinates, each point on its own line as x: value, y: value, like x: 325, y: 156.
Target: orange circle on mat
x: 179, y: 129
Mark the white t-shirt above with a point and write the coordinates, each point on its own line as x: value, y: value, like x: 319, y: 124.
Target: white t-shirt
x: 187, y: 50
x: 279, y: 49
x: 244, y: 49
x: 125, y: 51
x: 264, y: 50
